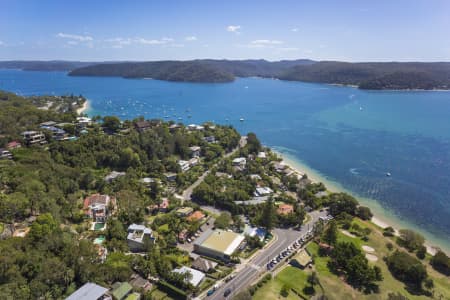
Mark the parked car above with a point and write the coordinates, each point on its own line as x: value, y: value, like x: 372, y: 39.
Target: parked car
x: 227, y: 292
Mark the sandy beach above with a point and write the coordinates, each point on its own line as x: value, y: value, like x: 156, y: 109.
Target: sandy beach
x: 381, y: 218
x: 83, y: 108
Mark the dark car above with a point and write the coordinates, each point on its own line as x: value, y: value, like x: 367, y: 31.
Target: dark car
x: 227, y: 292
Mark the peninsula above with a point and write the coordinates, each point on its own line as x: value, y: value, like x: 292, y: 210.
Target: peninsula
x: 365, y: 75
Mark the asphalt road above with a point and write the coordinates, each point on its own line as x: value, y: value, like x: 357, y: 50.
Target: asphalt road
x: 248, y: 273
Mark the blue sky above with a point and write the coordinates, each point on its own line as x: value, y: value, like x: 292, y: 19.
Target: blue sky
x: 381, y: 30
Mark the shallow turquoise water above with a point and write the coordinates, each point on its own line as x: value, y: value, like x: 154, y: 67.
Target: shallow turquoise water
x: 350, y: 136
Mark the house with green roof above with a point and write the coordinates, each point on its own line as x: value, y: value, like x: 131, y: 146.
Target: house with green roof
x: 121, y: 290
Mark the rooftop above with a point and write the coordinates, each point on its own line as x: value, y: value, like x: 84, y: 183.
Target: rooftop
x: 302, y: 258
x: 222, y: 241
x: 196, y: 215
x: 114, y: 175
x: 121, y: 289
x: 136, y: 232
x: 88, y: 291
x: 196, y: 278
x: 185, y: 210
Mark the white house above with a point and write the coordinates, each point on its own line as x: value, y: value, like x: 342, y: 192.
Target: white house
x: 184, y: 165
x: 196, y: 278
x: 239, y: 162
x: 138, y: 236
x: 263, y: 191
x: 195, y: 151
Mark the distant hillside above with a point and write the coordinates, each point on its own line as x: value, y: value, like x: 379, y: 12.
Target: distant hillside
x: 373, y: 76
x: 55, y: 65
x: 392, y: 75
x: 191, y: 71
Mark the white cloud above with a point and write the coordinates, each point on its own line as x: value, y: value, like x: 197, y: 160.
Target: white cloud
x: 294, y: 29
x: 76, y: 37
x: 163, y: 41
x: 288, y: 49
x: 1, y: 43
x: 266, y: 42
x: 72, y: 43
x: 120, y: 42
x: 234, y: 28
x: 191, y: 38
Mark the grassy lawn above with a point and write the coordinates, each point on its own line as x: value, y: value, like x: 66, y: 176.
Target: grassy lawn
x: 160, y: 295
x: 336, y: 288
x: 271, y: 290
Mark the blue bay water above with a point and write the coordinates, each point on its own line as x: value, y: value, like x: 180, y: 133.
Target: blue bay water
x: 351, y: 137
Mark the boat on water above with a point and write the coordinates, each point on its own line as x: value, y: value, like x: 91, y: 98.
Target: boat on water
x: 241, y: 119
x: 388, y: 174
x: 360, y: 108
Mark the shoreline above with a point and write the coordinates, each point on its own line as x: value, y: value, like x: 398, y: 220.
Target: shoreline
x: 83, y: 108
x: 381, y: 217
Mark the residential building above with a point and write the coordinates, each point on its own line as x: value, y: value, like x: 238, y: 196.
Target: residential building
x: 140, y: 283
x: 195, y: 127
x: 262, y: 155
x: 34, y: 137
x: 255, y: 231
x: 195, y: 151
x: 13, y: 145
x: 121, y: 290
x: 90, y: 291
x: 184, y: 211
x: 174, y: 127
x: 164, y: 206
x: 99, y: 207
x: 240, y: 162
x: 210, y: 139
x: 57, y: 133
x: 138, y: 237
x: 113, y: 175
x: 194, y: 161
x: 5, y: 154
x: 218, y: 244
x: 84, y: 122
x: 285, y: 209
x: 203, y: 265
x: 183, y: 235
x: 147, y: 181
x: 142, y: 126
x: 171, y: 176
x: 184, y: 165
x: 279, y: 167
x: 196, y: 216
x: 301, y: 260
x: 48, y: 123
x: 255, y: 177
x: 196, y: 278
x: 263, y: 191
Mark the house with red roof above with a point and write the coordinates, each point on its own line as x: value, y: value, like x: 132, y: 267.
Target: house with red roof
x: 99, y: 207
